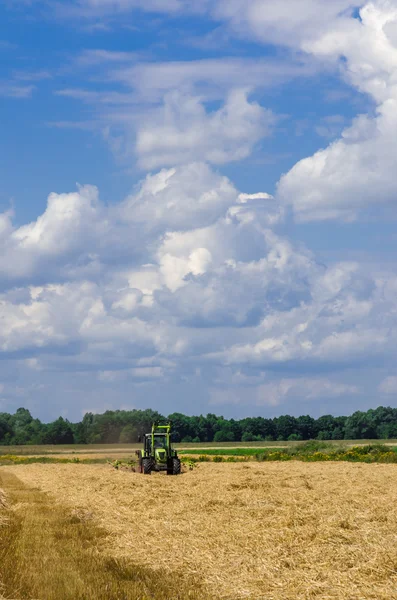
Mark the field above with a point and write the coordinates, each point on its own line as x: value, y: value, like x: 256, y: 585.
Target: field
x: 114, y: 449
x: 228, y: 531
x: 123, y: 456
x: 126, y: 449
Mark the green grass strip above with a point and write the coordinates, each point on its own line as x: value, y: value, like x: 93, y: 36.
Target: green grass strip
x: 312, y: 451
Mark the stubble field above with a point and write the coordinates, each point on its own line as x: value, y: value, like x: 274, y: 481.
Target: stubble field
x: 274, y: 531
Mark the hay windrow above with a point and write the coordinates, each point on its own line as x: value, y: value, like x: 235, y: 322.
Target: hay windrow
x: 3, y: 508
x: 3, y: 500
x: 274, y: 531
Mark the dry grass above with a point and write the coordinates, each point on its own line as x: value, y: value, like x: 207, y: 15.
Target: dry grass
x: 3, y: 501
x: 3, y: 508
x: 269, y: 531
x: 50, y: 552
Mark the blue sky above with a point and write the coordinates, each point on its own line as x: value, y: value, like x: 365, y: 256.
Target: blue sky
x: 198, y: 206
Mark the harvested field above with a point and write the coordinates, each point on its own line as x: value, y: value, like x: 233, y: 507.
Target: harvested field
x: 273, y: 531
x: 50, y: 552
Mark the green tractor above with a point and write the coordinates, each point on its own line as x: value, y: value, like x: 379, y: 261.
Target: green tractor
x: 158, y: 454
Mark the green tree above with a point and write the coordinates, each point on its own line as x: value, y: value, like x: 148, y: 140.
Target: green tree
x: 361, y: 425
x: 306, y: 427
x: 6, y: 431
x: 181, y: 427
x: 224, y: 435
x: 59, y: 432
x: 285, y: 426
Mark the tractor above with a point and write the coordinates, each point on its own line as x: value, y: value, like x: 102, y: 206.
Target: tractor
x: 158, y: 454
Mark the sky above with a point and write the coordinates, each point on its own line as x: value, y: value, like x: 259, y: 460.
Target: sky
x: 198, y: 206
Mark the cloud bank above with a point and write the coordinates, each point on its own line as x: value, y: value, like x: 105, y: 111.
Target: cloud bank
x: 186, y: 280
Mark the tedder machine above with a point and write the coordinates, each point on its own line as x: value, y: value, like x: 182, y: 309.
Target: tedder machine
x: 158, y: 454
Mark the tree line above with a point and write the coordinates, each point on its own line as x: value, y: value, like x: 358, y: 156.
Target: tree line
x: 125, y: 426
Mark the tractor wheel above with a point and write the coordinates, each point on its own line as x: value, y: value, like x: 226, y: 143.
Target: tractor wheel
x: 176, y: 466
x: 147, y: 465
x: 170, y: 466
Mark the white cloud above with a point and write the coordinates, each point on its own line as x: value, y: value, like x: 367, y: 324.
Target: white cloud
x: 169, y: 113
x: 337, y: 182
x: 179, y: 198
x: 185, y: 276
x: 208, y: 79
x: 70, y: 223
x: 352, y: 173
x: 357, y: 170
x: 287, y: 22
x: 183, y: 131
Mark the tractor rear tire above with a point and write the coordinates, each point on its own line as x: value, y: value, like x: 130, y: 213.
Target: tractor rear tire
x: 176, y: 466
x: 170, y: 466
x: 147, y: 466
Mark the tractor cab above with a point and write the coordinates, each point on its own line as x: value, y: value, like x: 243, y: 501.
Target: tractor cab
x: 156, y: 444
x: 158, y: 454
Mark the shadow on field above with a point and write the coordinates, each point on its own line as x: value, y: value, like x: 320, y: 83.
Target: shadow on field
x: 48, y: 553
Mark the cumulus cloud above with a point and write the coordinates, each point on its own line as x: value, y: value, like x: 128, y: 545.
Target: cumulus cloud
x: 182, y: 130
x: 165, y: 114
x: 355, y: 171
x: 186, y: 280
x: 343, y: 324
x: 61, y: 234
x: 175, y: 199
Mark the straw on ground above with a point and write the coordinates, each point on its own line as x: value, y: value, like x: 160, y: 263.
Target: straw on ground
x: 280, y: 531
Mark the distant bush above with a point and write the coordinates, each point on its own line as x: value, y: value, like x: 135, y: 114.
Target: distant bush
x: 313, y: 446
